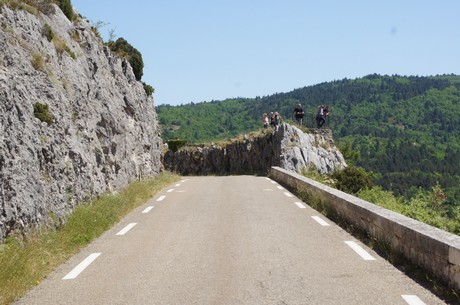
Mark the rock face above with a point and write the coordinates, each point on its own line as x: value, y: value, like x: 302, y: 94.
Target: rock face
x: 103, y: 133
x: 317, y: 148
x: 288, y: 148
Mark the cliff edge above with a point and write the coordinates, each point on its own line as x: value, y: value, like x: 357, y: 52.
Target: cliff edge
x: 289, y: 148
x: 74, y: 122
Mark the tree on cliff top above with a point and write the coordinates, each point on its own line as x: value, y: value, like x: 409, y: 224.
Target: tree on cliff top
x: 124, y: 49
x: 66, y: 7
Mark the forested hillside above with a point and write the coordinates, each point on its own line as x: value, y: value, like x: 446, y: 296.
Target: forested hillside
x: 404, y: 129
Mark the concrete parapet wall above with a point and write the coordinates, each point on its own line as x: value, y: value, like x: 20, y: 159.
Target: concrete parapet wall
x: 435, y: 250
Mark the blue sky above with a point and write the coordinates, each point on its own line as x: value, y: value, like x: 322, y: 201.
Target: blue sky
x: 205, y: 50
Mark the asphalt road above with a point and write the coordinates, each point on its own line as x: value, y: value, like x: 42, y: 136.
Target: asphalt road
x: 227, y: 240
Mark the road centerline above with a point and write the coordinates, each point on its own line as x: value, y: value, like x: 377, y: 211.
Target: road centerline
x: 300, y: 205
x: 126, y: 229
x: 80, y: 267
x: 412, y: 299
x: 147, y: 209
x: 320, y: 221
x: 359, y: 250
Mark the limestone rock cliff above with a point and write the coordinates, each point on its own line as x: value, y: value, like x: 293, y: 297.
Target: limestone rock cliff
x: 316, y: 148
x: 102, y: 132
x: 289, y: 148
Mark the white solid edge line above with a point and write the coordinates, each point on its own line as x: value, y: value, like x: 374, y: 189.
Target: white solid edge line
x: 288, y: 194
x: 161, y: 198
x: 320, y: 221
x: 147, y: 209
x: 80, y: 267
x: 126, y: 229
x: 300, y: 205
x: 361, y: 252
x: 412, y: 299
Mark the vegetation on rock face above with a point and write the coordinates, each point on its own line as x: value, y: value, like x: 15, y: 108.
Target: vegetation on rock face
x: 47, y: 31
x: 41, y: 112
x: 38, y: 62
x: 43, y: 6
x: 66, y: 7
x: 149, y: 90
x: 123, y: 49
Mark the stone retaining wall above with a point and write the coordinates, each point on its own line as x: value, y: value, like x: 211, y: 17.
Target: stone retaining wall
x: 435, y: 250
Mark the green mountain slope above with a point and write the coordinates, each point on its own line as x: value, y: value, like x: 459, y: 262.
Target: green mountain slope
x: 405, y: 129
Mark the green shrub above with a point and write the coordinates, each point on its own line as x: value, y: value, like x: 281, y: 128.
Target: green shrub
x: 427, y: 207
x: 175, y: 145
x: 312, y: 172
x: 352, y: 179
x: 66, y: 7
x: 61, y: 46
x: 47, y: 31
x: 125, y: 50
x: 41, y: 112
x: 38, y: 62
x: 149, y: 90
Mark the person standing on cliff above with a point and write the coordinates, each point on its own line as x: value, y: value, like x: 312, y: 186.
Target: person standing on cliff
x: 299, y: 114
x: 323, y: 112
x: 272, y: 119
x: 265, y: 121
x: 277, y: 121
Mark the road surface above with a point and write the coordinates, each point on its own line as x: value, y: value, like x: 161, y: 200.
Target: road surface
x: 227, y: 240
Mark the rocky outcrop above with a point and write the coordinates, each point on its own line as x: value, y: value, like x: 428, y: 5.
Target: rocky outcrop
x: 289, y: 148
x: 102, y: 130
x: 317, y: 148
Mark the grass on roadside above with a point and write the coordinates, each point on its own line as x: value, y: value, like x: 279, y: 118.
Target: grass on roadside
x: 24, y: 263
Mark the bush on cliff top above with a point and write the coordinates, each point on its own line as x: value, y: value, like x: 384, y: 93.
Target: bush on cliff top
x: 66, y: 7
x: 125, y: 50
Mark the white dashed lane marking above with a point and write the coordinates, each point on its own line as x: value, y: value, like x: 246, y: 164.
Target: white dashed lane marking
x: 361, y: 252
x: 412, y: 299
x: 147, y: 209
x: 280, y: 187
x: 320, y: 221
x: 161, y: 198
x: 80, y: 267
x: 300, y: 205
x: 126, y: 229
x: 170, y: 190
x: 288, y: 194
